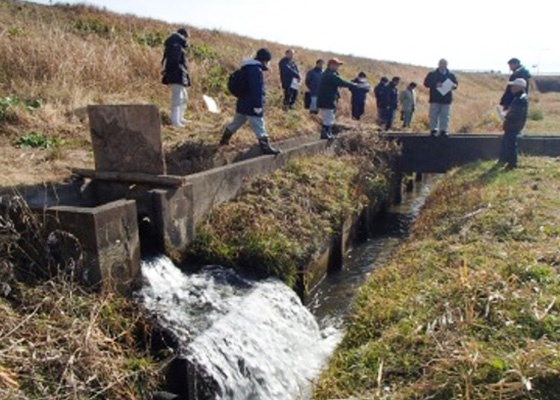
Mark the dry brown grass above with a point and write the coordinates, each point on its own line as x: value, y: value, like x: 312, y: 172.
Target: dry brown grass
x: 72, y: 56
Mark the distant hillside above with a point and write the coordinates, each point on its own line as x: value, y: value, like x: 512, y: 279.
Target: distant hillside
x: 58, y: 59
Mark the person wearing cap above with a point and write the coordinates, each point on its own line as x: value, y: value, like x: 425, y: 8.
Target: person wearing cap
x: 440, y: 104
x: 390, y: 102
x: 359, y: 95
x: 408, y: 104
x: 328, y: 95
x: 289, y: 77
x: 312, y: 81
x: 175, y: 74
x: 517, y: 71
x: 379, y: 92
x: 514, y: 122
x: 250, y: 106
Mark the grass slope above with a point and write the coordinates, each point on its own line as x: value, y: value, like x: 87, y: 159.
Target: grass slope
x: 57, y: 60
x: 468, y: 307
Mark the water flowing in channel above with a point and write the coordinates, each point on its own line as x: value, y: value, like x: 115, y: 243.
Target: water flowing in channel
x: 254, y: 340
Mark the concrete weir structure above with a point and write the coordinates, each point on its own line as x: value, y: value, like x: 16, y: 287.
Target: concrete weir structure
x: 129, y: 202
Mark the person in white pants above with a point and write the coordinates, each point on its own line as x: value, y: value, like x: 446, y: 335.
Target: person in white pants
x: 175, y: 74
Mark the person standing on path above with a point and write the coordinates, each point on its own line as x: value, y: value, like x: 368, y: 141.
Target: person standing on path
x: 328, y: 96
x: 390, y: 102
x: 517, y: 71
x: 290, y: 78
x: 312, y: 81
x: 440, y: 103
x: 359, y: 96
x: 175, y: 74
x: 251, y: 102
x: 408, y: 104
x: 379, y: 92
x: 514, y: 122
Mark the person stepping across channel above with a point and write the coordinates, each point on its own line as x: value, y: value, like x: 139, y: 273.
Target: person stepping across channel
x: 247, y: 84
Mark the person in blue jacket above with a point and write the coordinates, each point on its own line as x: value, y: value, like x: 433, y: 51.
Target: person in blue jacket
x: 175, y: 74
x: 359, y: 95
x: 379, y: 92
x: 312, y: 81
x: 517, y: 71
x: 390, y: 102
x: 250, y: 106
x: 288, y: 73
x: 514, y: 122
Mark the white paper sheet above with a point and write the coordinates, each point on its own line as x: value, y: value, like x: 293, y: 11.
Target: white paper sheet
x: 446, y: 87
x: 296, y: 84
x: 211, y: 104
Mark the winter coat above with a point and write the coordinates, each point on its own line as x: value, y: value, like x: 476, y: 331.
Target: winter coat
x: 517, y: 114
x: 391, y: 97
x: 288, y: 71
x: 255, y: 98
x: 313, y: 80
x: 359, y: 93
x: 508, y: 96
x: 379, y: 92
x: 328, y: 89
x: 408, y: 100
x: 431, y: 82
x: 174, y: 62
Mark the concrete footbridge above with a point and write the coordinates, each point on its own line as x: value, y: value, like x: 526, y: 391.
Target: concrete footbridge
x: 422, y: 153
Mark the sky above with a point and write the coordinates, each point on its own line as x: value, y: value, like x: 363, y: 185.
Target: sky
x: 477, y: 35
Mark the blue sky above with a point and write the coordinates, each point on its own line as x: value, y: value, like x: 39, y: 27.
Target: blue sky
x: 474, y: 34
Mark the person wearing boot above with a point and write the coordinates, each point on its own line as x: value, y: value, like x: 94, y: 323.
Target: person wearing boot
x: 250, y: 105
x: 175, y: 74
x: 328, y: 95
x: 514, y: 122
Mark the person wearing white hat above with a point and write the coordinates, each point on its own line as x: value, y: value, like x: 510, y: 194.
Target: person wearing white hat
x: 514, y: 122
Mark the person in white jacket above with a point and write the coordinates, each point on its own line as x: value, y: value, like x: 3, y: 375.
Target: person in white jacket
x: 408, y: 104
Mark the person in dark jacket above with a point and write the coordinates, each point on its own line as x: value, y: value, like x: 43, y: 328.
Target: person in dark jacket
x: 379, y: 92
x: 175, y: 74
x: 328, y: 95
x: 359, y: 95
x: 312, y: 81
x: 250, y: 107
x: 440, y: 103
x: 517, y: 71
x: 290, y: 78
x: 514, y: 122
x: 390, y: 102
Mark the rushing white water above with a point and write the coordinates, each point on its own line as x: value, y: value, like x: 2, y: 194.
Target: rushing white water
x: 254, y: 340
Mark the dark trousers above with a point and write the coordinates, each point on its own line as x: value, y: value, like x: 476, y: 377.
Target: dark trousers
x: 290, y: 97
x: 388, y: 116
x: 358, y: 110
x: 508, y: 153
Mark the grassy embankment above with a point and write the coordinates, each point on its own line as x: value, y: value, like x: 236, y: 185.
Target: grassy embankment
x: 58, y: 341
x: 279, y: 223
x: 468, y: 307
x: 57, y: 60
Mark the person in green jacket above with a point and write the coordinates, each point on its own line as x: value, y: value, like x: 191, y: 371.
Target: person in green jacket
x: 328, y: 95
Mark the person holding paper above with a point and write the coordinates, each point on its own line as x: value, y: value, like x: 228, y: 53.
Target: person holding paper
x: 328, y: 96
x: 312, y: 81
x: 441, y: 83
x: 359, y: 96
x: 514, y: 122
x: 290, y: 78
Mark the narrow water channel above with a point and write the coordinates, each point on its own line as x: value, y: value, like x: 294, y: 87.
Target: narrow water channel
x: 331, y: 300
x: 255, y: 340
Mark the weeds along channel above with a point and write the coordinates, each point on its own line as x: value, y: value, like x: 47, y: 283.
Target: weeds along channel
x: 468, y: 307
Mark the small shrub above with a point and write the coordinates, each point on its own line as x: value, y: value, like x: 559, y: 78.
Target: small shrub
x: 14, y: 101
x: 536, y: 114
x: 89, y: 25
x: 215, y: 81
x: 150, y: 39
x: 37, y: 140
x: 203, y: 52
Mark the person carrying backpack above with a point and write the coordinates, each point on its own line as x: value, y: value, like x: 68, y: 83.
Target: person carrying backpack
x: 175, y: 74
x: 247, y: 84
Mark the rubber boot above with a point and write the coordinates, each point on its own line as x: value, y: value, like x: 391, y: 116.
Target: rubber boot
x: 226, y: 137
x: 266, y: 148
x: 326, y: 132
x: 182, y: 112
x: 176, y: 117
